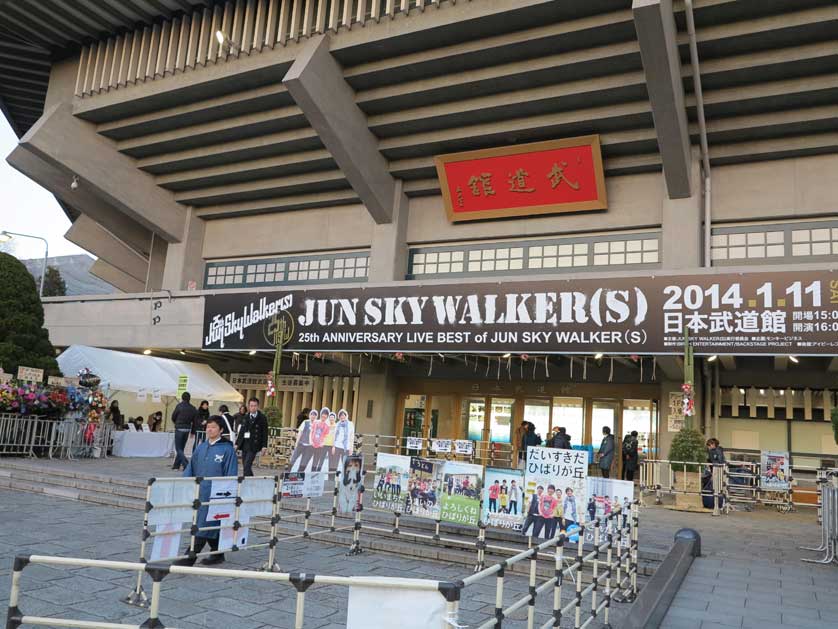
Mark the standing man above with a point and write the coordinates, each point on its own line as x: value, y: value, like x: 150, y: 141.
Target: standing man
x: 184, y: 417
x: 215, y: 456
x: 630, y: 457
x: 253, y: 435
x: 606, y: 452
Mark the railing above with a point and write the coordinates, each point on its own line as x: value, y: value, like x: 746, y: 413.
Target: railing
x: 68, y: 439
x: 662, y: 477
x: 281, y: 442
x: 24, y: 436
x: 615, y: 576
x: 829, y: 520
x: 188, y: 42
x: 450, y: 591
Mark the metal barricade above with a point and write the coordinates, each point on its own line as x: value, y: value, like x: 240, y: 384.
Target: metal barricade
x: 616, y: 575
x: 72, y: 439
x: 25, y: 435
x: 449, y: 590
x: 237, y: 503
x: 829, y: 521
x: 661, y: 477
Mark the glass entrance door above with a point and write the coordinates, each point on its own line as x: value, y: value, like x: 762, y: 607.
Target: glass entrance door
x: 604, y: 413
x: 500, y: 420
x: 414, y: 416
x: 537, y: 411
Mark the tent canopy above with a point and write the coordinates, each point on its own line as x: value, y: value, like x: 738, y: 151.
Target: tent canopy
x: 121, y: 371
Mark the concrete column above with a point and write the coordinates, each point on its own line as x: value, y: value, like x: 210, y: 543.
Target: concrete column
x: 681, y: 227
x: 388, y: 250
x: 156, y: 264
x: 184, y: 260
x: 382, y: 389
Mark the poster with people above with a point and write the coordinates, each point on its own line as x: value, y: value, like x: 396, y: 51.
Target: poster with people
x: 774, y: 471
x: 461, y: 487
x: 350, y: 482
x: 555, y: 490
x: 390, y: 482
x: 503, y: 492
x: 605, y: 496
x: 424, y: 488
x: 323, y: 440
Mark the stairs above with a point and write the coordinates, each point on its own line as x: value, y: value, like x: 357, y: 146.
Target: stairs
x: 413, y: 540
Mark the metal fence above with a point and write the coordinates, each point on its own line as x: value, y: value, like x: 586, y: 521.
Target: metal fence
x: 610, y: 578
x: 32, y: 436
x: 663, y: 477
x: 281, y: 444
x: 829, y: 520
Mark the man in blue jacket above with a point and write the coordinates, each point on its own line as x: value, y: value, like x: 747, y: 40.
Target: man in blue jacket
x: 214, y: 457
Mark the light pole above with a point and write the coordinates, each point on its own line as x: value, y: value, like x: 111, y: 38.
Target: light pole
x: 6, y: 236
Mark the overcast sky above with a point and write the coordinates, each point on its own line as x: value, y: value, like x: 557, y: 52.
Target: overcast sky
x: 28, y: 208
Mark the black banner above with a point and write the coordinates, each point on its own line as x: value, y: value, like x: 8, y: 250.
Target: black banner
x: 758, y: 313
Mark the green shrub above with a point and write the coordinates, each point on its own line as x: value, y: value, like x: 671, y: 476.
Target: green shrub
x: 688, y: 446
x: 274, y: 416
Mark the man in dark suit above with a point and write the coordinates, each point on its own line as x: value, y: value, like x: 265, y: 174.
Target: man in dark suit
x: 253, y: 435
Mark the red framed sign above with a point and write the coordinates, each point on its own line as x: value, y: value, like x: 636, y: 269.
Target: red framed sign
x: 539, y: 178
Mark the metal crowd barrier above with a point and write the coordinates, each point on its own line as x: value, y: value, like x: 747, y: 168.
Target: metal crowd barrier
x: 742, y: 485
x: 621, y: 586
x: 662, y: 477
x: 24, y: 435
x: 829, y: 521
x: 137, y: 596
x: 615, y: 576
x: 80, y: 440
x: 301, y: 582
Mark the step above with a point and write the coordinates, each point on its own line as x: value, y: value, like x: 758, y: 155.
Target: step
x: 73, y: 493
x: 123, y: 491
x: 34, y: 466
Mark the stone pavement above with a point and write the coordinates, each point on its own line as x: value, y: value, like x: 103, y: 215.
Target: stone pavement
x: 750, y: 574
x: 40, y: 524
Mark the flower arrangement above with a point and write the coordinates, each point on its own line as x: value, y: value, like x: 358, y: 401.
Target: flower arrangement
x: 271, y: 392
x: 689, y: 401
x: 97, y: 405
x: 25, y: 398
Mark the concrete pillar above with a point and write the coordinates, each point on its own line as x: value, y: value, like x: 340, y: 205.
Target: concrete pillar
x: 382, y: 389
x: 681, y: 227
x: 184, y: 260
x: 156, y: 263
x: 388, y: 250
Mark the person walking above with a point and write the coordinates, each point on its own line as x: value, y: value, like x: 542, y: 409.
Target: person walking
x: 229, y: 431
x: 606, y: 452
x: 252, y: 438
x: 630, y: 456
x: 214, y: 457
x: 184, y: 418
x: 239, y: 418
x: 201, y: 422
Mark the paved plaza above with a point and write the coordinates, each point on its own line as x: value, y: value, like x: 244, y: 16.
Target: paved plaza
x: 749, y: 574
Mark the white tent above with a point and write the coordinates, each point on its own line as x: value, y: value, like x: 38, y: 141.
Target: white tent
x: 121, y: 371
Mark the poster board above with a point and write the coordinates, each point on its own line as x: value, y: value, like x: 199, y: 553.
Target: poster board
x: 390, y: 483
x: 30, y: 374
x: 774, y: 471
x: 303, y: 484
x: 462, y: 485
x: 323, y: 439
x: 556, y: 489
x: 675, y: 416
x: 350, y: 482
x: 605, y: 495
x: 503, y: 513
x: 424, y: 488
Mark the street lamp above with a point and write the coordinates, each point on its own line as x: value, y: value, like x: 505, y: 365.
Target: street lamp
x: 6, y: 236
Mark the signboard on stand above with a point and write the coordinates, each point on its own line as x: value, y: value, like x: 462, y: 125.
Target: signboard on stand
x: 675, y: 416
x: 30, y: 374
x: 182, y: 385
x: 774, y: 471
x: 555, y: 487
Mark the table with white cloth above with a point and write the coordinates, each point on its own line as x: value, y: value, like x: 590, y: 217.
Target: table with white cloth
x: 150, y: 444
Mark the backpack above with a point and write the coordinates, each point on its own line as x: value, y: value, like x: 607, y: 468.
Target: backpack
x: 628, y: 447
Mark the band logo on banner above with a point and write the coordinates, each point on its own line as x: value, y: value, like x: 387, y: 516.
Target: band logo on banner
x: 789, y: 312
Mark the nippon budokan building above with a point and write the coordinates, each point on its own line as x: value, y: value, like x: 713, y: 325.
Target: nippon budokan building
x: 461, y: 214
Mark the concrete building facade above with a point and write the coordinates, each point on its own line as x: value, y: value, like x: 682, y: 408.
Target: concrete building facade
x: 296, y: 150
